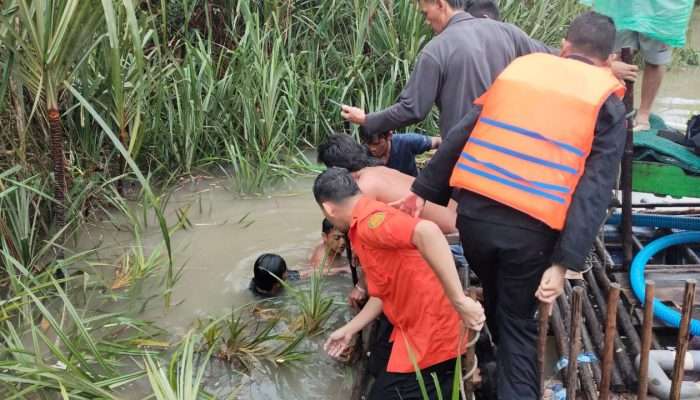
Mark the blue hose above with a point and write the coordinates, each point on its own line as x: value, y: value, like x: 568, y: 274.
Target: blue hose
x: 664, y: 313
x: 659, y: 221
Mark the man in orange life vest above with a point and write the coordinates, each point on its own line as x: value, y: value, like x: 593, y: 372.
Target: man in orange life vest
x: 411, y: 277
x: 534, y: 165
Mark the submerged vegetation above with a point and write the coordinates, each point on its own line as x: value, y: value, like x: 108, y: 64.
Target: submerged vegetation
x: 102, y: 102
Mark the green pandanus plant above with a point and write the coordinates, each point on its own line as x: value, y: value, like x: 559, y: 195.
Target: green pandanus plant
x: 50, y: 38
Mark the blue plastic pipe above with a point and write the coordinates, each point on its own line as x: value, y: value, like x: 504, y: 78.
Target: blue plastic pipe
x: 659, y: 221
x: 666, y: 314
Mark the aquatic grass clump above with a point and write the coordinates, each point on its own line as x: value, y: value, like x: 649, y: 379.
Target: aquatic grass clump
x: 182, y: 379
x: 315, y: 308
x: 135, y: 265
x: 246, y: 341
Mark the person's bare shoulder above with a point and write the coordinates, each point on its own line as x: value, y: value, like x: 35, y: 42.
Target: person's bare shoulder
x: 316, y: 255
x: 384, y: 184
x: 369, y: 181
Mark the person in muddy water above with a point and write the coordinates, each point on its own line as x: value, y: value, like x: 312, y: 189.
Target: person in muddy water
x: 411, y: 277
x: 329, y: 254
x: 268, y: 270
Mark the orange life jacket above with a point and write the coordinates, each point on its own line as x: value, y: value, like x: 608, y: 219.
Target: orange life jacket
x: 529, y: 147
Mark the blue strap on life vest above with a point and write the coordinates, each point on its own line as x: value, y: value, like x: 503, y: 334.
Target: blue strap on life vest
x: 531, y: 134
x: 514, y: 176
x: 522, y: 156
x: 510, y: 183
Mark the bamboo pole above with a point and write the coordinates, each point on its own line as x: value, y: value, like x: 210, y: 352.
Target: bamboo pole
x: 543, y: 314
x: 626, y: 175
x: 682, y: 347
x: 646, y: 340
x: 575, y: 343
x: 610, y: 333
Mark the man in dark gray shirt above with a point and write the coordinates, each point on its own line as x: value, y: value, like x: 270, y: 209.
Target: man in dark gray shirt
x: 452, y: 70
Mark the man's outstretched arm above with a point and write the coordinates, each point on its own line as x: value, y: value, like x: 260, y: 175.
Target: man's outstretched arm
x: 432, y: 245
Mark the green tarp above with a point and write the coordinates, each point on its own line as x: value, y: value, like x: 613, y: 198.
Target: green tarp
x: 663, y: 20
x: 648, y: 146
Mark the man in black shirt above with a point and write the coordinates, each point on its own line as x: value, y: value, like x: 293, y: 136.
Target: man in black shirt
x: 520, y: 258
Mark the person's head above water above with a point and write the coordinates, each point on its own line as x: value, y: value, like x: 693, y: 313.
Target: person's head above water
x: 336, y: 193
x: 333, y: 238
x: 342, y: 151
x: 483, y: 9
x: 591, y: 35
x: 264, y: 268
x: 379, y: 144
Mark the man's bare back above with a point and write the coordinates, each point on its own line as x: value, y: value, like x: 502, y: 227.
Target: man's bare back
x: 388, y: 185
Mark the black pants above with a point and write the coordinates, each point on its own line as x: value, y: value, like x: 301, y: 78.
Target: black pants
x: 404, y: 386
x: 380, y: 347
x: 509, y: 262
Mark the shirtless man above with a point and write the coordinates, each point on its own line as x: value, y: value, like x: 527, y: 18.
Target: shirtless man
x: 379, y: 182
x: 330, y: 252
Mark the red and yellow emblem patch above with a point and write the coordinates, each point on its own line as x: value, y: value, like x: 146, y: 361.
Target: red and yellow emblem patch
x: 375, y: 220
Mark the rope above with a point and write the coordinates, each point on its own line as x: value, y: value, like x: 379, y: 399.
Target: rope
x: 468, y: 375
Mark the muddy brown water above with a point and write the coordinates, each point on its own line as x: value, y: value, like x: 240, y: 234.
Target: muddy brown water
x: 679, y: 95
x: 227, y: 234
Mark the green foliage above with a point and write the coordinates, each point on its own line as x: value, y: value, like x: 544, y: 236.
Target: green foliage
x: 182, y: 379
x: 244, y: 85
x: 315, y: 307
x: 246, y: 339
x: 546, y: 21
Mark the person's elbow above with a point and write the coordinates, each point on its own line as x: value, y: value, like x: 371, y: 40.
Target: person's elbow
x: 425, y: 231
x: 410, y: 111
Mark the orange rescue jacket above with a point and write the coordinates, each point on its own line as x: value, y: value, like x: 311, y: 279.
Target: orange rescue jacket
x: 529, y: 147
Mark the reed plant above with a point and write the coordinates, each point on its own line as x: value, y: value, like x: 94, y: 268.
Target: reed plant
x: 54, y: 343
x: 246, y: 342
x: 315, y: 307
x: 182, y: 379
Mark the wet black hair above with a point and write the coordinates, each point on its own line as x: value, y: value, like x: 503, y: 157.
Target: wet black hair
x: 265, y: 267
x: 592, y: 34
x: 455, y: 4
x: 341, y: 150
x: 326, y: 226
x: 334, y: 184
x: 483, y: 8
x: 366, y: 137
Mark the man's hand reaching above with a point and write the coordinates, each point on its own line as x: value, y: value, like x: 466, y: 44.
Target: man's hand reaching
x: 353, y: 114
x: 552, y: 284
x: 338, y: 343
x: 411, y: 204
x: 624, y: 71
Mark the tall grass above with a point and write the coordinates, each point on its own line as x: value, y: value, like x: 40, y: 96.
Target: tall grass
x: 202, y: 82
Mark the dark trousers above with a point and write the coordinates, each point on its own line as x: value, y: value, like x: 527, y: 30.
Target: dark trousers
x: 509, y: 262
x: 404, y: 386
x: 380, y: 346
